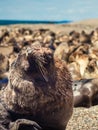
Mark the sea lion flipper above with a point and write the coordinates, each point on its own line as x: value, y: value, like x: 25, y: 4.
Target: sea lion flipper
x: 4, y: 118
x: 22, y: 123
x: 2, y: 128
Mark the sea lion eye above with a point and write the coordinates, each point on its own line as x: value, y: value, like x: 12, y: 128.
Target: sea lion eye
x: 75, y: 84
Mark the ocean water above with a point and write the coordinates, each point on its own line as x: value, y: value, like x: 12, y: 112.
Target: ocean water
x: 9, y: 22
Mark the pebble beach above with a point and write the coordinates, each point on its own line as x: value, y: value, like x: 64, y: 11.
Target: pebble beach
x: 84, y: 119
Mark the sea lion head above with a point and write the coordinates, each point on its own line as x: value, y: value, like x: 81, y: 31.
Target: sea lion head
x: 34, y: 59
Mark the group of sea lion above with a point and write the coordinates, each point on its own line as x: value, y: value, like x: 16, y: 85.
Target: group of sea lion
x: 40, y: 93
x: 77, y: 49
x: 80, y: 52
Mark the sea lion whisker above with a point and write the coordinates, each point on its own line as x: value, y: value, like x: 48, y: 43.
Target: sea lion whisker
x: 42, y: 68
x: 43, y: 72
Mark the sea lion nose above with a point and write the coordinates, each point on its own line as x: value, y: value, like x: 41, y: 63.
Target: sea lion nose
x: 26, y: 65
x: 29, y: 51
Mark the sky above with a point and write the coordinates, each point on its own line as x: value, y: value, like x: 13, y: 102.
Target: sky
x: 73, y: 10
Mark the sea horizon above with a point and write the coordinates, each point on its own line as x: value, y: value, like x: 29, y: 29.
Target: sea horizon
x: 9, y: 22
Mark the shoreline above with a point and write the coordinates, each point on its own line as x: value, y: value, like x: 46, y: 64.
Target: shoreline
x: 66, y: 28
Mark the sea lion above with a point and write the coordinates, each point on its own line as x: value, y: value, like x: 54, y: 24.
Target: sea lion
x: 39, y: 89
x: 74, y: 68
x: 94, y: 38
x: 85, y: 92
x: 84, y: 37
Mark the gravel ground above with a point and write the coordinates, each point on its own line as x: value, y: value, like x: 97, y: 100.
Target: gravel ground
x: 84, y: 119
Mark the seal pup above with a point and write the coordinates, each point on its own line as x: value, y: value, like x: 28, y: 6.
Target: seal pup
x: 39, y: 89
